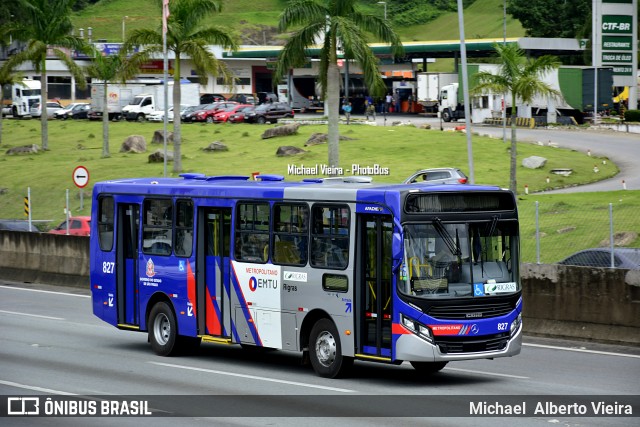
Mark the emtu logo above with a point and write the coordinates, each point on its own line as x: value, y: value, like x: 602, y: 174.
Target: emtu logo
x: 253, y: 284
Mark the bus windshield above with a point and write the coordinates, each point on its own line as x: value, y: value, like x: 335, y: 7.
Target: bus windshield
x: 460, y: 260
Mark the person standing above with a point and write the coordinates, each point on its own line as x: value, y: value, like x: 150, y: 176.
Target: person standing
x: 388, y: 102
x: 370, y: 108
x: 347, y: 110
x: 396, y: 101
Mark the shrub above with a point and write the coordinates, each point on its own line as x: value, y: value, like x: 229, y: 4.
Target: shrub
x: 632, y: 116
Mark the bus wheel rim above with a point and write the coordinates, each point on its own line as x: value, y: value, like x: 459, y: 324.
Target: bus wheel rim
x: 162, y: 329
x: 326, y: 349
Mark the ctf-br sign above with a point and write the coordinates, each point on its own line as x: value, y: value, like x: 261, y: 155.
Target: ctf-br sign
x: 80, y: 176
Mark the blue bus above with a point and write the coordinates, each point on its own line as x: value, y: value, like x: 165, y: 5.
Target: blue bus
x: 336, y: 268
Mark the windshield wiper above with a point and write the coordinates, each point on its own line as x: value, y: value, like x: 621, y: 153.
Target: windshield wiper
x: 453, y: 247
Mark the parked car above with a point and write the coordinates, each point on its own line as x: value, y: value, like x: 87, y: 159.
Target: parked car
x: 158, y: 116
x: 206, y: 113
x: 79, y: 111
x: 269, y: 113
x: 17, y: 225
x: 243, y: 98
x: 222, y: 116
x: 267, y: 97
x: 94, y: 114
x: 59, y: 113
x: 186, y: 114
x: 238, y: 116
x: 52, y: 107
x: 210, y: 98
x: 438, y: 176
x: 78, y: 226
x: 601, y: 257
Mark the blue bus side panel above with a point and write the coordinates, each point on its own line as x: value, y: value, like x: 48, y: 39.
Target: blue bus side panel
x: 131, y: 309
x: 213, y: 301
x: 103, y: 285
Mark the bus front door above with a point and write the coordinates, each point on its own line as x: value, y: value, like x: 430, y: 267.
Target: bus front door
x: 213, y: 272
x: 374, y: 286
x: 126, y: 263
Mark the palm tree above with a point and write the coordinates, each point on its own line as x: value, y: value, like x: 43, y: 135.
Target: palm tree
x: 111, y: 69
x: 522, y: 77
x: 8, y: 76
x: 47, y: 30
x: 189, y: 33
x: 339, y: 25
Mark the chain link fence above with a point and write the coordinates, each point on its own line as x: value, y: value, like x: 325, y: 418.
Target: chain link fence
x: 552, y: 231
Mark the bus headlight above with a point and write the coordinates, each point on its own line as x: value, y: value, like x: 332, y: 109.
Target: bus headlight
x: 515, y: 325
x: 417, y: 328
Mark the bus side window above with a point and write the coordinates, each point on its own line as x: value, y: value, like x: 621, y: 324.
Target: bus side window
x: 105, y: 223
x: 291, y: 234
x: 330, y: 236
x: 157, y: 230
x: 184, y: 228
x: 252, y: 232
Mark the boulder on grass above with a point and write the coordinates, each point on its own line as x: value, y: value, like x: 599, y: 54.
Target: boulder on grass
x: 285, y: 130
x: 134, y: 144
x: 216, y: 146
x: 288, y: 150
x: 24, y: 149
x: 158, y: 137
x: 321, y: 138
x: 158, y: 156
x: 534, y: 162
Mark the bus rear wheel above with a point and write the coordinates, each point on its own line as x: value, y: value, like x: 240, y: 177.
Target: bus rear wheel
x: 428, y: 368
x: 326, y: 351
x: 163, y: 330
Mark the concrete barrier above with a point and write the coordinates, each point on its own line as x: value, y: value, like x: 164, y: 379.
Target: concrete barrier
x: 597, y: 304
x: 600, y: 304
x: 44, y: 258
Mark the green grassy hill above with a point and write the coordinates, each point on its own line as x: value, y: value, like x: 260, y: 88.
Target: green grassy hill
x: 257, y: 20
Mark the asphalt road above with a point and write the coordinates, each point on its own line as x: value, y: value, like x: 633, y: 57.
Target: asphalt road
x: 51, y: 344
x: 621, y: 148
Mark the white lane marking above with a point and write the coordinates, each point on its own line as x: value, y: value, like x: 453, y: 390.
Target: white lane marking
x: 583, y: 350
x: 34, y: 388
x: 487, y: 373
x: 253, y: 377
x: 44, y: 292
x: 31, y: 315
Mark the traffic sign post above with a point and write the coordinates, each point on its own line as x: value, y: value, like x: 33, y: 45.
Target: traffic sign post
x: 81, y: 179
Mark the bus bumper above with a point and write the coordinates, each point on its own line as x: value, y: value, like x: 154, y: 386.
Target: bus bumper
x: 412, y: 348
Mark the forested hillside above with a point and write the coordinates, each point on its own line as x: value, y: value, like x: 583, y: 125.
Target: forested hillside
x: 255, y: 22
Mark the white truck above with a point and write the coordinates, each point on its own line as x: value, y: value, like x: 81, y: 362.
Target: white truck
x: 429, y: 86
x: 118, y: 96
x: 575, y: 84
x: 23, y: 96
x: 153, y: 100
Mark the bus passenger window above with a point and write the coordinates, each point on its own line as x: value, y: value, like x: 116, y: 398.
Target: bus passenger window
x: 291, y: 235
x: 252, y: 232
x: 330, y: 236
x: 184, y: 228
x: 105, y: 223
x: 157, y: 232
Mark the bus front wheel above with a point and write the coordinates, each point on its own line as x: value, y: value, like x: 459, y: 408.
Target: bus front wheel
x: 326, y: 351
x: 163, y: 330
x: 428, y: 368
